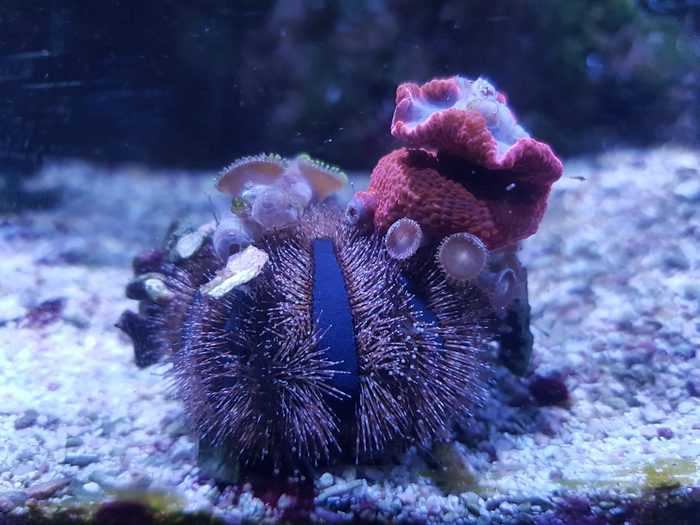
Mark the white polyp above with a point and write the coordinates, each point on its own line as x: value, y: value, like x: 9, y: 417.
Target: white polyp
x: 462, y: 256
x: 403, y: 238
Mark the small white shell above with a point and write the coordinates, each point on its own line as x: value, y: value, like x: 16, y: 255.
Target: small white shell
x: 231, y: 235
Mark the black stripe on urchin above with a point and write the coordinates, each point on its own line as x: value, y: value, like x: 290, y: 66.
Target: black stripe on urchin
x: 251, y: 370
x: 416, y: 374
x: 333, y: 315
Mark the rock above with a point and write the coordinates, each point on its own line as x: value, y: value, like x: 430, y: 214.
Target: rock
x: 115, y: 482
x: 6, y: 505
x: 48, y: 489
x: 675, y: 260
x: 652, y: 415
x: 149, y: 261
x: 189, y: 244
x: 80, y: 460
x: 664, y: 432
x: 18, y: 497
x: 149, y: 287
x: 26, y: 420
x: 240, y: 268
x: 549, y: 390
x: 325, y: 481
x: 213, y: 462
x: 688, y: 190
x: 11, y: 309
x: 92, y: 488
x: 182, y: 450
x: 45, y: 313
x: 25, y: 456
x: 453, y: 472
x: 339, y: 489
x: 473, y: 502
x: 73, y: 441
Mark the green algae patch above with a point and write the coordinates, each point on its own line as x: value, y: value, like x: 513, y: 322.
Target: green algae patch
x: 668, y: 473
x: 453, y: 474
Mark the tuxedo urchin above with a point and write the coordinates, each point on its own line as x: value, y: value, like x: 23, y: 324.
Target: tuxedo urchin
x: 327, y: 349
x: 301, y: 334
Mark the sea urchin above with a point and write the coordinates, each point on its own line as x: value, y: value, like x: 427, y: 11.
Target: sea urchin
x: 334, y: 350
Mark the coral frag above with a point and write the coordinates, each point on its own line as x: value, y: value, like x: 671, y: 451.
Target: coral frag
x: 470, y: 167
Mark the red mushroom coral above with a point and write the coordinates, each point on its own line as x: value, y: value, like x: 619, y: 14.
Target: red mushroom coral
x: 471, y: 167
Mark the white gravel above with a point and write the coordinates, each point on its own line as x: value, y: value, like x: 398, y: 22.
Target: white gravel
x: 614, y: 287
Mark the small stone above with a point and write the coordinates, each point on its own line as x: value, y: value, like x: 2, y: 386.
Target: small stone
x: 73, y: 441
x: 652, y: 415
x: 92, y: 488
x: 182, y: 450
x: 454, y: 474
x: 214, y: 463
x: 691, y: 291
x: 189, y: 244
x: 339, y: 489
x: 11, y: 309
x: 177, y: 428
x: 685, y: 407
x: 325, y: 481
x: 25, y: 456
x: 49, y: 421
x: 617, y: 512
x: 241, y: 267
x: 286, y: 501
x: 26, y: 420
x: 664, y: 432
x: 80, y: 460
x: 48, y: 489
x: 686, y: 172
x: 151, y: 287
x: 45, y: 313
x: 688, y: 190
x: 24, y: 469
x: 6, y: 505
x: 693, y: 386
x: 473, y: 502
x: 18, y: 497
x: 675, y: 260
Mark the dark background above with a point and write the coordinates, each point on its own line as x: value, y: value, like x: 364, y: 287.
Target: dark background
x: 177, y: 84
